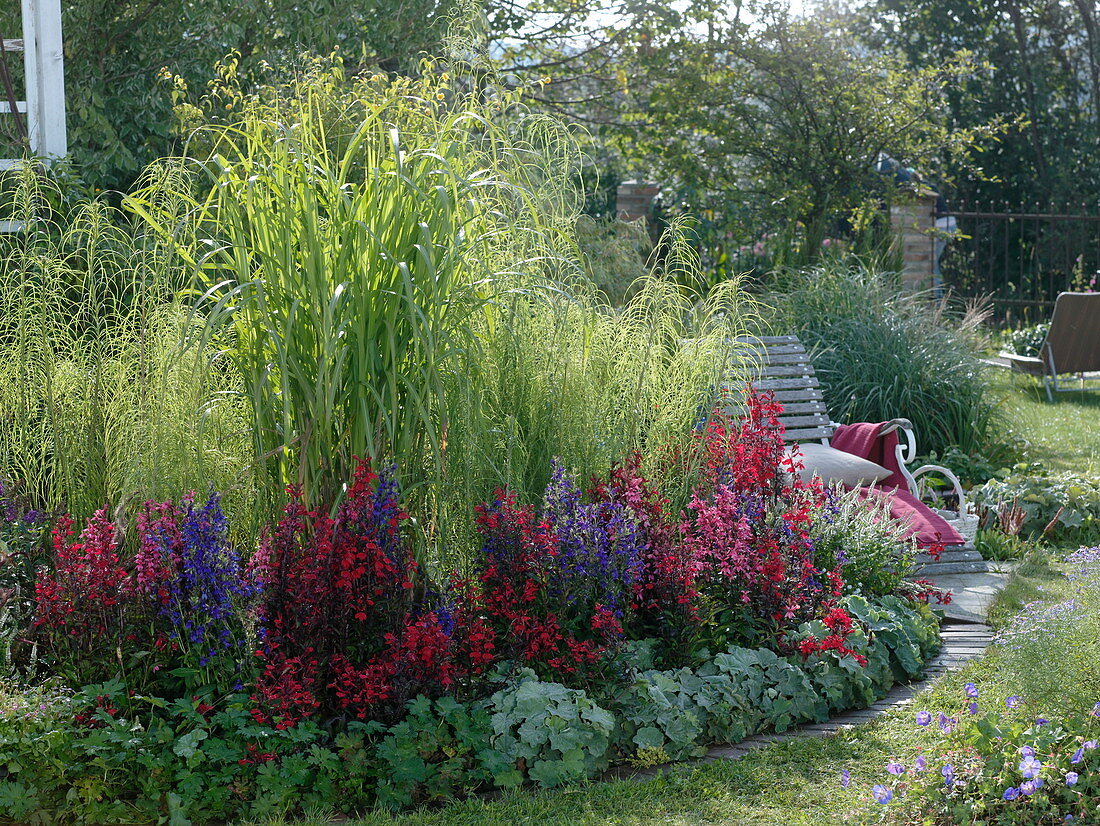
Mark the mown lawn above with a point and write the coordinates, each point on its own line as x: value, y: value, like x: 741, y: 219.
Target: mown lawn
x: 1064, y: 433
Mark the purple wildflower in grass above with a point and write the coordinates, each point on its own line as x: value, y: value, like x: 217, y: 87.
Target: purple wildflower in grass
x: 920, y: 763
x: 1027, y: 751
x: 923, y: 718
x: 947, y: 724
x: 1011, y: 793
x: 1088, y: 745
x: 1041, y: 721
x: 1095, y: 710
x: 881, y: 794
x: 895, y: 768
x: 1030, y: 767
x: 1013, y: 702
x: 973, y: 708
x: 1028, y: 787
x: 1071, y: 778
x: 845, y: 779
x: 971, y: 690
x: 1078, y: 756
x: 948, y: 772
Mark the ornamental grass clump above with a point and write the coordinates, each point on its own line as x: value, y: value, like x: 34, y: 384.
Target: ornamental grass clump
x: 996, y: 765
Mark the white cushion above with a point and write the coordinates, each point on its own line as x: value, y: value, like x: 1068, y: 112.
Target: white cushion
x: 833, y: 466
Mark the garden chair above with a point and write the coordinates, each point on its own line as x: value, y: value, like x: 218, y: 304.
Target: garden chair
x: 1072, y: 345
x: 786, y: 371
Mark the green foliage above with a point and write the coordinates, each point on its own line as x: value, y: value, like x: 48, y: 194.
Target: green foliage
x: 105, y: 754
x: 97, y: 402
x: 119, y: 109
x: 791, y: 115
x: 1047, y: 68
x: 998, y: 545
x: 876, y: 556
x: 551, y: 733
x: 1027, y: 340
x: 614, y: 255
x: 882, y: 355
x: 654, y: 715
x: 438, y: 752
x: 1051, y: 650
x: 999, y: 767
x: 1067, y: 502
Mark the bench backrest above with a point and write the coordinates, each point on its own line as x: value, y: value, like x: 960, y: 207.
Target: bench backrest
x: 786, y: 370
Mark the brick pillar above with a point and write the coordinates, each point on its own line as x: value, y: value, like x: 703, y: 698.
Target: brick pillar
x: 634, y: 200
x: 914, y: 220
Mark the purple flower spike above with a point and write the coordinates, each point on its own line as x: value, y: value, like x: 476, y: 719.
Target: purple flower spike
x: 881, y: 794
x: 923, y: 718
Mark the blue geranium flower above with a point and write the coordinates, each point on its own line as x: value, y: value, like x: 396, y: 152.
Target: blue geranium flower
x: 881, y: 794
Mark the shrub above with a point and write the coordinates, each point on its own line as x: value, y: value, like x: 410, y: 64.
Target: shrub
x: 438, y: 752
x: 875, y: 559
x: 882, y: 355
x: 343, y: 630
x: 748, y: 532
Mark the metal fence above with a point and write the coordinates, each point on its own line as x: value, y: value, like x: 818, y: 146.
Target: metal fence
x: 1022, y: 258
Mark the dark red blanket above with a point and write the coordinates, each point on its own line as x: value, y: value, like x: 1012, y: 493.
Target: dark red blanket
x: 868, y: 442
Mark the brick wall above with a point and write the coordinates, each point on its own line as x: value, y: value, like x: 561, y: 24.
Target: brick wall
x: 634, y: 200
x: 913, y: 221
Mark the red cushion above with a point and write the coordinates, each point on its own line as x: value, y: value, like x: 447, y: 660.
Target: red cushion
x: 924, y: 523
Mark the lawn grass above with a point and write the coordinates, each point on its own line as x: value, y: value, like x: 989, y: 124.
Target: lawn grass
x: 1063, y: 433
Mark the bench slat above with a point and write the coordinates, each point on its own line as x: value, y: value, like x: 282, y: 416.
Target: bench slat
x: 789, y: 358
x: 800, y: 406
x: 805, y: 434
x: 787, y: 370
x: 816, y: 420
x: 803, y: 394
x: 786, y: 384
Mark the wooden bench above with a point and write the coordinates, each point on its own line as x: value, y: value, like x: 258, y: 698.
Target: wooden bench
x: 786, y: 370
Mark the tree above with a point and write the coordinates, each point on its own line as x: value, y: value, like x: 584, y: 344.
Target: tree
x: 119, y: 113
x: 789, y: 117
x: 1045, y: 56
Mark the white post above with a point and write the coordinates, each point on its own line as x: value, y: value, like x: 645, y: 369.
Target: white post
x: 44, y: 60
